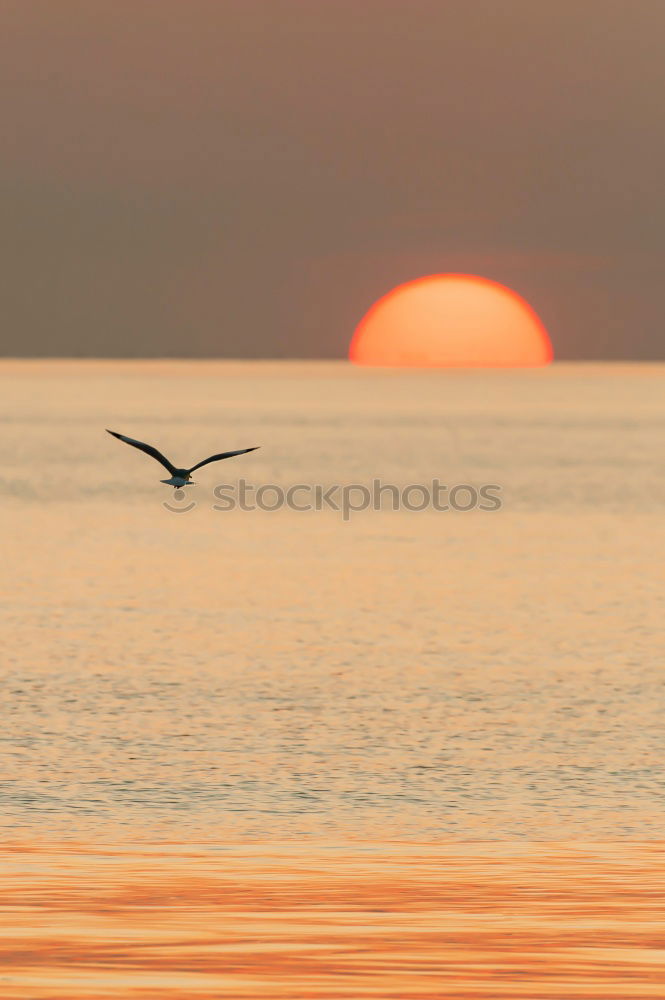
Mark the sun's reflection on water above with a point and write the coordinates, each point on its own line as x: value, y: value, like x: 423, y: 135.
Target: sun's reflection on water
x: 465, y: 921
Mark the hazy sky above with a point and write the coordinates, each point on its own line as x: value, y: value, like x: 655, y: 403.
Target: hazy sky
x: 245, y: 177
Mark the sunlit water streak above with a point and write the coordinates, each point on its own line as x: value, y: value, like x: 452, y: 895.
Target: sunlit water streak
x: 466, y: 921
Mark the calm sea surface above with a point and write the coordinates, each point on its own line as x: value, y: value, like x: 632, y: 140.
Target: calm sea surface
x: 279, y: 754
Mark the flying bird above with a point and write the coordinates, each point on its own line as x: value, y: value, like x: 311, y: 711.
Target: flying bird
x: 179, y: 477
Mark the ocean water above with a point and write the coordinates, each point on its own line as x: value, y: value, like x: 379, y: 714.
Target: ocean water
x: 229, y: 686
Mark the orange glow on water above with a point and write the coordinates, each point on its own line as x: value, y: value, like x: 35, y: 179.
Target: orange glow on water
x: 451, y: 320
x: 479, y: 921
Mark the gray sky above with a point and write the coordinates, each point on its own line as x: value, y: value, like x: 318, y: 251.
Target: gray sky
x: 245, y: 177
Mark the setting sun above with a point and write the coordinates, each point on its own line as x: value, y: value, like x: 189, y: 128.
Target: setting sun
x: 451, y: 320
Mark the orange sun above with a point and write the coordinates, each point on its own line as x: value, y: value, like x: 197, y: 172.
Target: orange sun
x: 451, y: 320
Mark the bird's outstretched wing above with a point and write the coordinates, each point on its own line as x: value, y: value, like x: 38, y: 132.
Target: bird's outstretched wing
x: 218, y: 458
x: 147, y: 448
